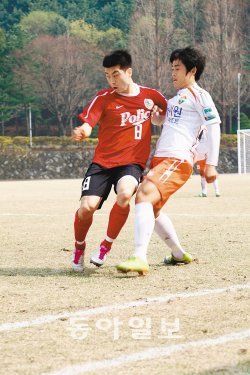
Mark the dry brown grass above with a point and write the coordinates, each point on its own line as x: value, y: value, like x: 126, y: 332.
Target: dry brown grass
x: 36, y: 238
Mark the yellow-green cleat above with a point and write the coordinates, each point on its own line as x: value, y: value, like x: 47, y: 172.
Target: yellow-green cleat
x: 133, y: 264
x: 187, y: 258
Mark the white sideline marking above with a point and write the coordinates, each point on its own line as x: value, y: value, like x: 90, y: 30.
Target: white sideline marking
x: 149, y: 354
x: 45, y: 319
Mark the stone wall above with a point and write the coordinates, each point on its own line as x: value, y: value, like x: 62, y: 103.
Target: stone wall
x: 54, y: 164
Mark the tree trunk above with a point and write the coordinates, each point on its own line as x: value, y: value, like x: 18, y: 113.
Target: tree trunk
x: 17, y: 126
x: 2, y: 128
x: 157, y: 57
x: 34, y: 127
x: 230, y: 130
x: 71, y: 124
x: 48, y: 128
x: 221, y: 71
x: 27, y: 119
x: 2, y: 123
x: 61, y: 128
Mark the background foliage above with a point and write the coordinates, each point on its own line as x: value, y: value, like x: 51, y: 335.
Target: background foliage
x: 51, y: 55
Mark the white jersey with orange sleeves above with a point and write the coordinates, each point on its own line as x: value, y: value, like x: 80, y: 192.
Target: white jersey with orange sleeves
x: 188, y: 113
x: 124, y: 135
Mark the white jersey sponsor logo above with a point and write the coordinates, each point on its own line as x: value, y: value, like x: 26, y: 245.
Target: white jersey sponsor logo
x: 140, y: 117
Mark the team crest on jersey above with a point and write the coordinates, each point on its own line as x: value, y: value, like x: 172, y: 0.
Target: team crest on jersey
x: 208, y: 113
x: 182, y: 99
x: 148, y: 103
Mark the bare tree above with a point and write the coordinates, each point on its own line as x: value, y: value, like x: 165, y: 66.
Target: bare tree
x: 189, y: 17
x: 60, y: 70
x: 151, y: 34
x: 225, y: 44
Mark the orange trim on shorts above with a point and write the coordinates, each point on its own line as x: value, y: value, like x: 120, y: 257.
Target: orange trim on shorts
x: 168, y: 175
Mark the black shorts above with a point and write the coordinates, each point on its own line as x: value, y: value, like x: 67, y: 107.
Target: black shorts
x: 98, y: 180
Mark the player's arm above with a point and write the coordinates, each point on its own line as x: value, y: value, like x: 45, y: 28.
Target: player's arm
x: 89, y: 117
x: 158, y: 111
x: 211, y: 120
x: 156, y: 117
x: 213, y: 144
x: 81, y: 132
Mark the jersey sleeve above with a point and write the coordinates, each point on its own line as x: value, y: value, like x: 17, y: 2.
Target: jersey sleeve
x: 160, y: 101
x: 209, y: 114
x: 206, y: 108
x: 202, y: 146
x: 94, y: 109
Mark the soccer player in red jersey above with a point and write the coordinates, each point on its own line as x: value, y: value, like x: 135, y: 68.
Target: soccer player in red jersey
x: 125, y: 112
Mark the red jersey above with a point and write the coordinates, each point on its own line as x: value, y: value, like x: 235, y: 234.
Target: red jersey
x: 124, y: 135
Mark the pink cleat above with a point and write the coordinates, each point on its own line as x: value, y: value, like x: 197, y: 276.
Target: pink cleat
x: 99, y: 258
x: 77, y: 262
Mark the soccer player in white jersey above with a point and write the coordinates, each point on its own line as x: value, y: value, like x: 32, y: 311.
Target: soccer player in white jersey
x: 201, y: 165
x: 190, y: 112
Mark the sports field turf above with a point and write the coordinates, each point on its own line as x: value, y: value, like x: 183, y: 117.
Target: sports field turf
x: 177, y: 320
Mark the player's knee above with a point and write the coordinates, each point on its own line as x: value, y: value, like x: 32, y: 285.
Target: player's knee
x: 147, y: 192
x: 123, y: 198
x: 87, y: 208
x: 85, y: 212
x: 140, y: 196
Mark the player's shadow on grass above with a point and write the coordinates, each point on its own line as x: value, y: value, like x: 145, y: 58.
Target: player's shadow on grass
x: 45, y: 272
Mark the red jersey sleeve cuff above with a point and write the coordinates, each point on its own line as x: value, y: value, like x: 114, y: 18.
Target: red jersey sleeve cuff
x: 83, y: 119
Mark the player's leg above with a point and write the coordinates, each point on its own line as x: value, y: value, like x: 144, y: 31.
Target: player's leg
x: 82, y: 223
x: 95, y: 187
x: 125, y: 188
x: 203, y: 187
x: 162, y: 181
x: 166, y: 231
x: 169, y: 176
x: 178, y: 174
x: 146, y: 196
x: 201, y: 168
x: 216, y: 187
x: 126, y: 180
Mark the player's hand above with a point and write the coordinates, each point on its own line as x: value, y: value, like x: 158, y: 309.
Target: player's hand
x: 210, y: 173
x: 81, y: 132
x: 156, y: 111
x: 156, y: 117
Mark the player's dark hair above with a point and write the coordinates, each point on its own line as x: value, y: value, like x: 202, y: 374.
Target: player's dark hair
x: 119, y: 57
x: 191, y: 58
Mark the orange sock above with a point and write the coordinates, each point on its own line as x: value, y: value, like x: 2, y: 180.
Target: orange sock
x: 117, y: 218
x: 81, y: 229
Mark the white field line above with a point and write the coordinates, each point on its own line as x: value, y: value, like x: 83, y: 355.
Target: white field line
x: 45, y: 319
x: 149, y: 354
x: 238, y: 215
